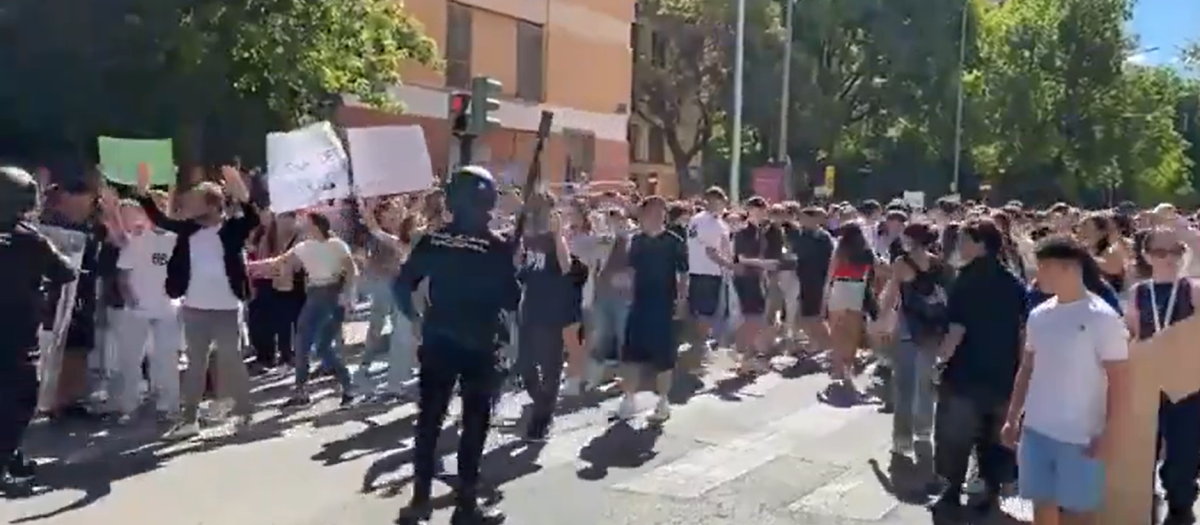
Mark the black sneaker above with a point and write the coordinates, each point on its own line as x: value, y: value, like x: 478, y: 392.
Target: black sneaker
x: 476, y: 514
x: 538, y: 429
x: 418, y: 510
x: 21, y: 468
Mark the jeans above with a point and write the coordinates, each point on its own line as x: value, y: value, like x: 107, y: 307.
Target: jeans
x: 401, y: 350
x: 605, y: 327
x: 966, y: 425
x: 321, y: 314
x: 913, y: 393
x: 383, y: 303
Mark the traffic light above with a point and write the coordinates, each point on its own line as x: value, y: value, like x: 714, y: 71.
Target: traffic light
x: 460, y: 118
x: 483, y: 91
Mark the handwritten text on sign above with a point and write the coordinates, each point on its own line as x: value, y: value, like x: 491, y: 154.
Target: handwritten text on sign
x: 306, y: 167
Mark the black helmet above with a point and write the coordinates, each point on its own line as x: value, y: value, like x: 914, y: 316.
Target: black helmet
x: 19, y: 194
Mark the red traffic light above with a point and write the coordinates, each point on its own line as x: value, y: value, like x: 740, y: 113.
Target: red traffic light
x: 459, y: 102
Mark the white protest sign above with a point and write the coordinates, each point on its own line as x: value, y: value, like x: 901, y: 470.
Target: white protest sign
x: 914, y: 199
x: 305, y: 167
x: 390, y: 159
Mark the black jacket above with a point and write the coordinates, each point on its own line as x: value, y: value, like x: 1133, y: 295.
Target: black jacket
x: 233, y: 233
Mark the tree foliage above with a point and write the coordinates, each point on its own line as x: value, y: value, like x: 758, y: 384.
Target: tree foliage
x: 1052, y: 109
x: 195, y: 69
x: 680, y: 75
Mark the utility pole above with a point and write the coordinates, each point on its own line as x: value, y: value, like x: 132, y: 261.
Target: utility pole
x: 735, y: 158
x: 785, y: 99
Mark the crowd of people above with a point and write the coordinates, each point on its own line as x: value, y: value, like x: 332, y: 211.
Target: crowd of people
x: 972, y: 313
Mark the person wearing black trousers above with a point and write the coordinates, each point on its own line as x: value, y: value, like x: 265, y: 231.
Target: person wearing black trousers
x: 277, y: 301
x: 472, y: 281
x: 31, y: 264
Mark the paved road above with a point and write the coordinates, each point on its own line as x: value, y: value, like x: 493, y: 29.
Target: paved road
x: 767, y: 452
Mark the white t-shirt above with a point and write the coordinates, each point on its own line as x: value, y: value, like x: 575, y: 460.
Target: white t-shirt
x: 209, y: 288
x: 706, y: 230
x: 1070, y: 343
x: 145, y: 257
x: 323, y: 261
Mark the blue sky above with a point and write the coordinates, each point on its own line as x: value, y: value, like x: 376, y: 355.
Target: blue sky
x: 1166, y: 25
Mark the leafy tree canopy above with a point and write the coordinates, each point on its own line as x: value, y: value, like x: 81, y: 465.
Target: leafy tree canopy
x: 213, y: 74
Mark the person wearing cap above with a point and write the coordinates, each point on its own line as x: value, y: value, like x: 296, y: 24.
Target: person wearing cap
x: 30, y: 262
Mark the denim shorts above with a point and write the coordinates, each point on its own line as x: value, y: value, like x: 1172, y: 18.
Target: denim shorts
x: 1051, y: 471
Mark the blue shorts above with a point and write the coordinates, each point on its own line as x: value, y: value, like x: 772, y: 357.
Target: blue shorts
x: 1059, y: 473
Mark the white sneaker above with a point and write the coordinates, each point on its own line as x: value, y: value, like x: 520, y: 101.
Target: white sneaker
x: 182, y: 431
x: 662, y: 411
x: 627, y: 409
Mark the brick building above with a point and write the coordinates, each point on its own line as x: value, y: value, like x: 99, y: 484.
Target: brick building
x: 568, y: 56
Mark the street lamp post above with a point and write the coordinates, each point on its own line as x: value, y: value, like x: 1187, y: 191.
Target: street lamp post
x: 735, y: 157
x: 958, y: 112
x: 785, y: 99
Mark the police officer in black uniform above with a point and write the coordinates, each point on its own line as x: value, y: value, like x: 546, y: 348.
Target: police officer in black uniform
x: 30, y: 264
x: 472, y: 279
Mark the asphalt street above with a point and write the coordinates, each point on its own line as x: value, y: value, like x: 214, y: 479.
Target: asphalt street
x: 734, y: 453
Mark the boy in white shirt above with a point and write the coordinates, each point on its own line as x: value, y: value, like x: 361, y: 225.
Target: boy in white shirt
x: 1064, y: 434
x: 149, y: 326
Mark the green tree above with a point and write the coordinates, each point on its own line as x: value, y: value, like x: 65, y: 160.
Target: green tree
x: 176, y: 68
x: 682, y: 76
x: 1057, y: 113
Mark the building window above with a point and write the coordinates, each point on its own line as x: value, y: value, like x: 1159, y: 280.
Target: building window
x: 634, y: 138
x: 657, y: 146
x: 658, y: 49
x: 458, y: 45
x: 635, y: 41
x: 581, y: 153
x: 530, y: 61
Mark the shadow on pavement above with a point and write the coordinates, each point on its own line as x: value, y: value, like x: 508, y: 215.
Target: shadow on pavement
x: 620, y: 446
x: 89, y: 456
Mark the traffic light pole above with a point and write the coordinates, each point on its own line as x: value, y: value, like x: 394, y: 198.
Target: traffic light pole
x: 466, y: 146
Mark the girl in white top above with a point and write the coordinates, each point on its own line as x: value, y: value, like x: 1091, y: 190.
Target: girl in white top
x: 330, y: 289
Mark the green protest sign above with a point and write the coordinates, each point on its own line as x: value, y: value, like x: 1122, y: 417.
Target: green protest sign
x: 120, y: 159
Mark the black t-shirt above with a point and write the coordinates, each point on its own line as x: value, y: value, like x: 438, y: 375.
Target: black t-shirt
x: 813, y: 249
x: 657, y: 261
x: 549, y: 292
x: 751, y: 243
x: 32, y: 265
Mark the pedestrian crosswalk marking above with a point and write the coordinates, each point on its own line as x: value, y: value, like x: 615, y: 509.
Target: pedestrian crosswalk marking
x: 703, y: 470
x: 855, y: 495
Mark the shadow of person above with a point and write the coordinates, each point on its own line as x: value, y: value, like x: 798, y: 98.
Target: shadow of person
x: 620, y: 446
x: 394, y: 461
x: 727, y: 389
x: 376, y: 438
x: 907, y: 480
x: 685, y: 384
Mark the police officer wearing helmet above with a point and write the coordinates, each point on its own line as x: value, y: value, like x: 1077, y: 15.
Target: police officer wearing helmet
x: 472, y: 280
x: 31, y: 265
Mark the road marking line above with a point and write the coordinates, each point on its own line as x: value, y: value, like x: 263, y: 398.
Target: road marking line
x: 855, y: 495
x: 702, y: 470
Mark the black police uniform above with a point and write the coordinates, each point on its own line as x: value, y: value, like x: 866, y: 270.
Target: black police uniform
x: 472, y: 280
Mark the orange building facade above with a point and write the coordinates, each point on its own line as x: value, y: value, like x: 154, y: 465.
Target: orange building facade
x: 571, y: 57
